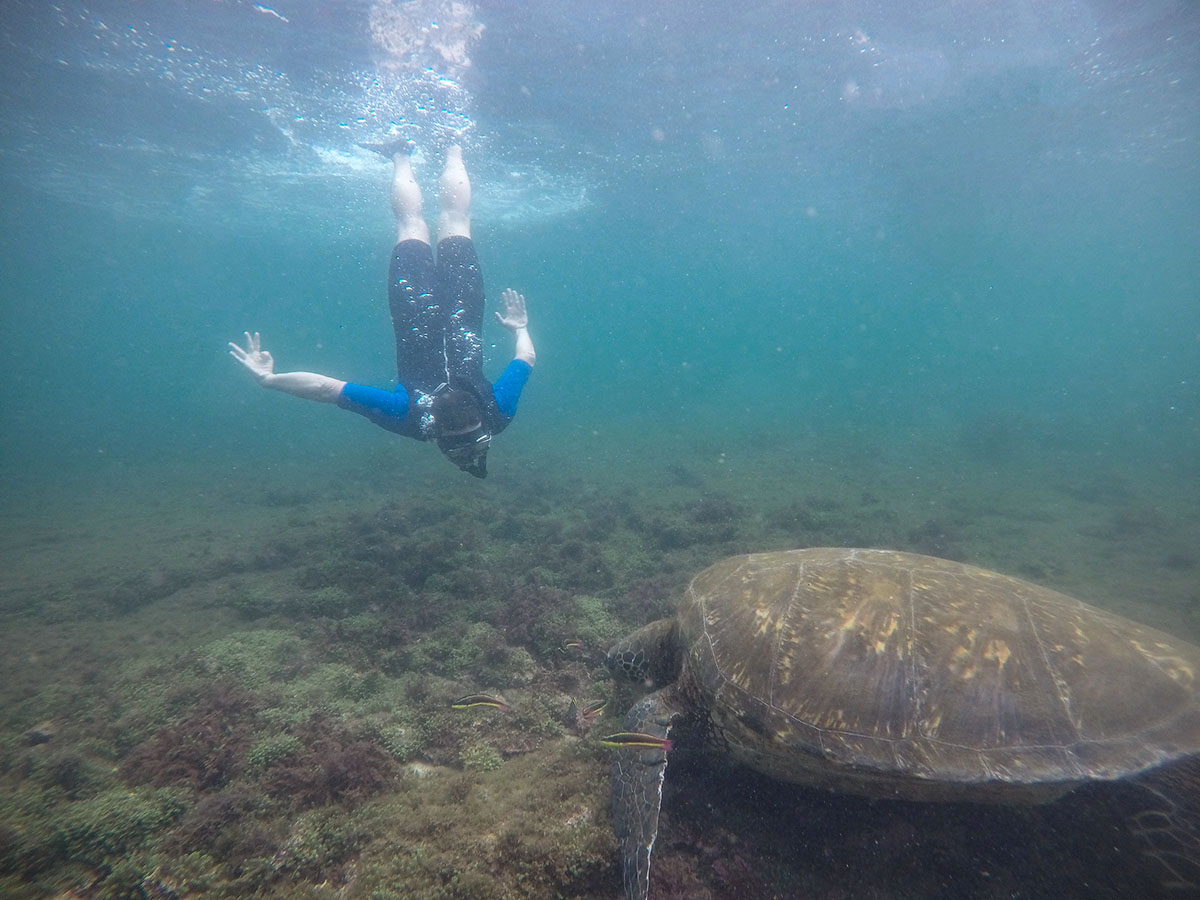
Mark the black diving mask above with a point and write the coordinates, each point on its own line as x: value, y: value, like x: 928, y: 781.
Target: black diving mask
x: 468, y: 451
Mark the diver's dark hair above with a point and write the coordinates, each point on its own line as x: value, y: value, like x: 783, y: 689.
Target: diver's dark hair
x: 455, y: 411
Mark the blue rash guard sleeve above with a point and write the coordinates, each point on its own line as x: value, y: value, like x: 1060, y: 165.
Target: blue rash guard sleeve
x: 509, y: 385
x: 387, y: 409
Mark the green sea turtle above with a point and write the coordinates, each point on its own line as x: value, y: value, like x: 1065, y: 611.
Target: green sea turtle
x: 890, y: 674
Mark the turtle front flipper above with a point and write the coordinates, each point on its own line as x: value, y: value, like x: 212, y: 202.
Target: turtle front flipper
x: 637, y: 777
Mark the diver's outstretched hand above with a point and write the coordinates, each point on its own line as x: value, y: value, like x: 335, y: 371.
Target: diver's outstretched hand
x: 514, y: 316
x: 256, y: 360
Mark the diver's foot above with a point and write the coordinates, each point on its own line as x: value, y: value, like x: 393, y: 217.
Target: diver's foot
x: 391, y: 147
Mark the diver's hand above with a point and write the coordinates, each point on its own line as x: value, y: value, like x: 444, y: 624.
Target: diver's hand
x: 306, y: 385
x: 258, y: 362
x: 516, y: 320
x: 514, y: 316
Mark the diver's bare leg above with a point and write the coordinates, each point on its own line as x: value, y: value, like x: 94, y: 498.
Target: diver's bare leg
x: 455, y: 217
x: 406, y: 201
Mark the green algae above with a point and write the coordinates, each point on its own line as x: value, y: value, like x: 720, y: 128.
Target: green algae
x: 592, y: 620
x: 344, y: 662
x: 270, y: 750
x: 538, y: 829
x: 255, y: 658
x: 321, y: 682
x: 317, y: 841
x: 481, y: 756
x: 116, y: 821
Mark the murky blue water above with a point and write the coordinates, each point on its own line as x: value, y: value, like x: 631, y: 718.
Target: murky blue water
x: 789, y: 217
x: 911, y: 273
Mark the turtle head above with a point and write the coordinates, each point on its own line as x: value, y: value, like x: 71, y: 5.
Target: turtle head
x: 651, y: 655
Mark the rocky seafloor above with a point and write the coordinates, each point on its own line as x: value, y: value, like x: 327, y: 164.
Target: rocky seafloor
x: 237, y: 683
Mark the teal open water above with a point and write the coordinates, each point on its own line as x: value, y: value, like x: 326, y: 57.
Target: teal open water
x: 921, y: 275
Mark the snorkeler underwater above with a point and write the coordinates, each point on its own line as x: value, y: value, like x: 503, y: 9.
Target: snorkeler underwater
x: 866, y: 341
